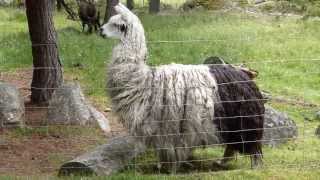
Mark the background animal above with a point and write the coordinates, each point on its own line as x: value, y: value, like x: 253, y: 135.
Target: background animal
x: 171, y: 107
x: 89, y: 15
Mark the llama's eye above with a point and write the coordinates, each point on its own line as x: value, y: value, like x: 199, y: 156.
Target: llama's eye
x: 123, y: 28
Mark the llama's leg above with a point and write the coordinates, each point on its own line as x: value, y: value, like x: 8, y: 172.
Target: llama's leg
x: 229, y: 154
x: 83, y: 25
x: 96, y: 26
x: 185, y: 158
x: 168, y: 160
x: 256, y: 161
x: 90, y: 28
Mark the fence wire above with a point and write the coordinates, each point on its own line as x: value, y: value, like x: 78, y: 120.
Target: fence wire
x: 72, y: 143
x: 49, y: 136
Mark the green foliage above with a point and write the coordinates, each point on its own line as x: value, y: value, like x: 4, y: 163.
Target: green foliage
x: 309, y: 8
x: 211, y: 4
x: 17, y: 15
x: 313, y: 9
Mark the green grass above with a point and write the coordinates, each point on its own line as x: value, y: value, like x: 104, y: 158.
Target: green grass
x: 261, y: 43
x: 285, y: 52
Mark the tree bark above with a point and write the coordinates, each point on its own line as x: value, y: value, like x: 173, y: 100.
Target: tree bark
x: 105, y: 159
x: 130, y: 4
x: 47, y: 73
x: 154, y: 6
x: 110, y: 11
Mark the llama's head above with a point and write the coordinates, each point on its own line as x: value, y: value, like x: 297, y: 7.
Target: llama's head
x: 122, y: 25
x: 127, y: 27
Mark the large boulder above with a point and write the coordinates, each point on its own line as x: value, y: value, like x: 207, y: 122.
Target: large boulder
x: 105, y: 159
x: 11, y: 106
x: 69, y: 107
x: 5, y: 2
x: 278, y: 127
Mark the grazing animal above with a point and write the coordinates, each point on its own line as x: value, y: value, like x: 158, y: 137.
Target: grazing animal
x: 171, y: 107
x: 89, y: 15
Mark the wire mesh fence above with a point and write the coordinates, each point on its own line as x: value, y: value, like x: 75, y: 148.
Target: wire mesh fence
x: 50, y: 136
x: 47, y: 146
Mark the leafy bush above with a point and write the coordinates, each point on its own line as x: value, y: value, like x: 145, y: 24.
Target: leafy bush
x: 211, y: 4
x: 207, y: 4
x: 313, y: 10
x: 306, y: 7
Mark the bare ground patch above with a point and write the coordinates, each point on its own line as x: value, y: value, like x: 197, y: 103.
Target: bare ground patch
x: 40, y: 149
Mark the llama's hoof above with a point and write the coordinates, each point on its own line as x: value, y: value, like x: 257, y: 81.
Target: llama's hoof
x: 257, y: 165
x: 188, y: 165
x: 256, y: 162
x: 219, y: 165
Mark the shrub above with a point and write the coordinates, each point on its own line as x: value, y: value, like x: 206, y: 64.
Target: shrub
x: 207, y: 4
x: 313, y: 10
x: 211, y: 4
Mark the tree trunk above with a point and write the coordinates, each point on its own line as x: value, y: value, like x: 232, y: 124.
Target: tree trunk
x: 154, y: 6
x: 130, y: 4
x: 110, y: 11
x: 105, y: 159
x: 47, y: 73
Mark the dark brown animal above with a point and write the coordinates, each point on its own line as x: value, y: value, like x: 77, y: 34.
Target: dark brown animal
x: 240, y: 114
x: 89, y: 15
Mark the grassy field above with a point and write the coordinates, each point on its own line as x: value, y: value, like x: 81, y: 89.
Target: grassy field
x: 285, y: 52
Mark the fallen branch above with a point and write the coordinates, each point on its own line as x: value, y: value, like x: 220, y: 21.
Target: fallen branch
x: 72, y: 15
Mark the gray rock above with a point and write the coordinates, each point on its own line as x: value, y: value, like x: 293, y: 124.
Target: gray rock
x: 106, y: 159
x: 69, y: 107
x: 11, y: 106
x: 278, y: 127
x: 317, y: 115
x: 5, y: 2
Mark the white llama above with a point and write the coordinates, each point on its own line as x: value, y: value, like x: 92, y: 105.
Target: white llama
x: 170, y: 107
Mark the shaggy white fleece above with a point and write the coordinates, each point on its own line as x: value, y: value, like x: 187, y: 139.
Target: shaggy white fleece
x: 171, y: 107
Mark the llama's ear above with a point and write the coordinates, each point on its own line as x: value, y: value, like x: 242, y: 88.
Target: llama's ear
x: 123, y: 10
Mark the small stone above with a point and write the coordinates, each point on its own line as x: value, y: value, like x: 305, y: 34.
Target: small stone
x: 107, y: 110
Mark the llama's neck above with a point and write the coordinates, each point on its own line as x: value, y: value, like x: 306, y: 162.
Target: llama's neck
x: 128, y: 70
x: 131, y: 49
x: 128, y: 74
x: 128, y: 79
